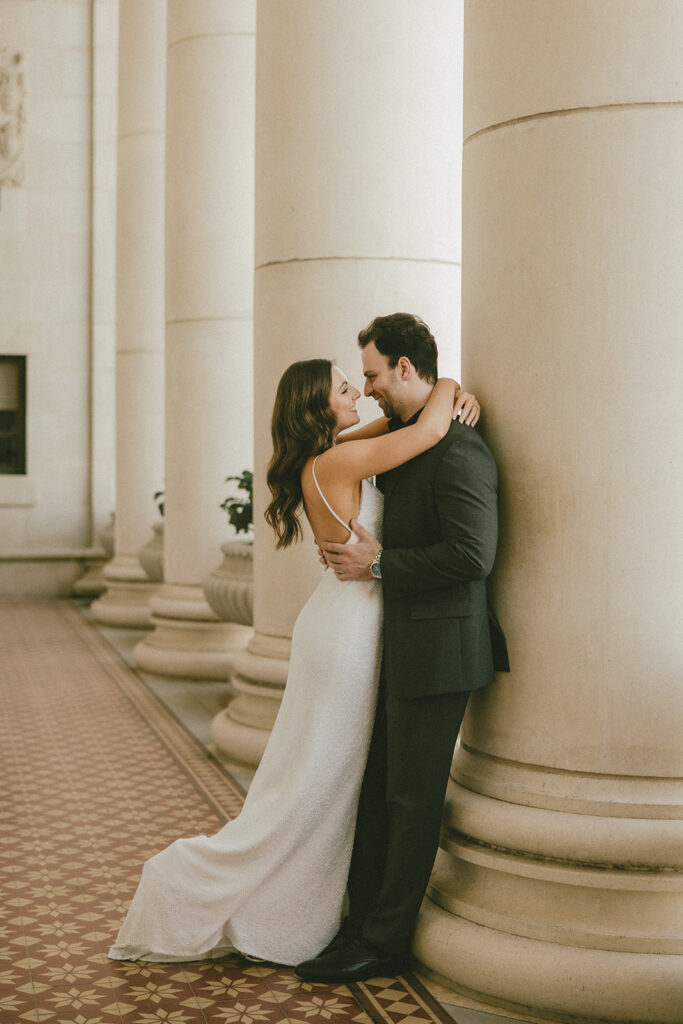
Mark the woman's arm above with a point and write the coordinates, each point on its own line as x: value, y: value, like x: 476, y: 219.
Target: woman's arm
x: 367, y: 457
x: 466, y: 409
x: 375, y: 428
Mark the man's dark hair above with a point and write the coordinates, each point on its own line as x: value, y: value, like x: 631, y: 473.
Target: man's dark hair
x: 402, y: 334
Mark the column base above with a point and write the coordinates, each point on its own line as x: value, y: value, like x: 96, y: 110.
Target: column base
x: 570, y: 915
x: 92, y: 583
x: 126, y: 601
x: 188, y: 640
x: 241, y: 731
x: 548, y: 980
x: 237, y: 746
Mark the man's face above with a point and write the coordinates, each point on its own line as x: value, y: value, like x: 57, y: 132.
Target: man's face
x: 381, y: 380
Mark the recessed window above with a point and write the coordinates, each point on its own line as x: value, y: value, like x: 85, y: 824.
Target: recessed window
x: 13, y: 414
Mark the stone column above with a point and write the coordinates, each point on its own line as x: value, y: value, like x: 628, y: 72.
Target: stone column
x: 209, y: 221
x: 139, y: 307
x: 559, y: 887
x: 358, y: 120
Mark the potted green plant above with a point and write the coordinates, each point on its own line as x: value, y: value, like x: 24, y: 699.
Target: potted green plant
x: 240, y: 510
x: 229, y: 588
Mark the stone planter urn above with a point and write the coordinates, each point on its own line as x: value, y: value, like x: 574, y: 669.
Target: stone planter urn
x: 106, y: 537
x: 238, y: 733
x: 229, y: 589
x: 151, y: 555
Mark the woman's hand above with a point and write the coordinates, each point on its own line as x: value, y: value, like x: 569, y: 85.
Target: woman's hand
x: 466, y: 408
x: 321, y: 553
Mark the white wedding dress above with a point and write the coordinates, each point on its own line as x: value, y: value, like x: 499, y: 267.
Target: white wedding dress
x: 271, y: 883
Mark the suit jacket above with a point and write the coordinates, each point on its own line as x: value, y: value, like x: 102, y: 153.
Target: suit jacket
x: 440, y: 536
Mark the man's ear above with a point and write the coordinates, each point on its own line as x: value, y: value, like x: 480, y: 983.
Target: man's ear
x: 405, y: 367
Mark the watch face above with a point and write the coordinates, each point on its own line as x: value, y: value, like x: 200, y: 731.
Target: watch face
x: 376, y: 571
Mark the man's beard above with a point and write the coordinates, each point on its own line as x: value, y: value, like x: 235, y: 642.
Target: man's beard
x: 388, y: 410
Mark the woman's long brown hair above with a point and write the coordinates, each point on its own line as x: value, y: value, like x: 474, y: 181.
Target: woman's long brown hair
x: 303, y: 424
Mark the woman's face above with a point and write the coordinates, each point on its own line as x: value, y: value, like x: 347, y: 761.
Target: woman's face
x: 343, y: 398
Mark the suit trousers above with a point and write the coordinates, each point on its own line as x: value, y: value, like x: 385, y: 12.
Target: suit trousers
x: 399, y: 814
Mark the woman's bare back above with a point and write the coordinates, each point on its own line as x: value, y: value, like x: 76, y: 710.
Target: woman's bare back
x: 329, y: 502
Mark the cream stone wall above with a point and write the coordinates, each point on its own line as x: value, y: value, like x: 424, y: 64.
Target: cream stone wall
x: 56, y: 289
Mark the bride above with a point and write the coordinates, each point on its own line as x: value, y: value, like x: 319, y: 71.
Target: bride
x: 271, y: 883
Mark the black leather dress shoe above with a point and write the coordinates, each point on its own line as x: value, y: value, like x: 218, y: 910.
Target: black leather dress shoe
x: 356, y: 961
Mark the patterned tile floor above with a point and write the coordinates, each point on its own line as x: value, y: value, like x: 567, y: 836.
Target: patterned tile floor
x: 97, y: 775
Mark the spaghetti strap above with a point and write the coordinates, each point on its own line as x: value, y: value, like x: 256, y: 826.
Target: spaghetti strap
x: 327, y: 504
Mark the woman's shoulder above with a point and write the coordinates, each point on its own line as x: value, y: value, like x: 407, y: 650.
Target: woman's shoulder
x: 318, y: 467
x: 325, y: 461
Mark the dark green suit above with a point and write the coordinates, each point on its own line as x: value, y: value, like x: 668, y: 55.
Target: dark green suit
x: 440, y: 535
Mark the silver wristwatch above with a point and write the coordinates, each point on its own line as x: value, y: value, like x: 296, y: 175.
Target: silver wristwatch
x: 375, y: 567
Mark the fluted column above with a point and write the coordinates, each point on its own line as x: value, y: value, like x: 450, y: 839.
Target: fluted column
x: 559, y: 886
x: 357, y: 215
x: 209, y: 220
x: 139, y: 307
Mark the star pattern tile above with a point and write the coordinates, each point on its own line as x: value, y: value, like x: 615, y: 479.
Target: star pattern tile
x: 97, y: 776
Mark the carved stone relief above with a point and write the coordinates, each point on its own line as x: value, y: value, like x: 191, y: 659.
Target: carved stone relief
x: 11, y: 117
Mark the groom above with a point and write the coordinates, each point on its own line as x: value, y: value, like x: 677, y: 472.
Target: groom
x: 440, y: 642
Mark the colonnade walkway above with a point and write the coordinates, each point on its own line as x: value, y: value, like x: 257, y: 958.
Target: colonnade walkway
x: 97, y: 775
